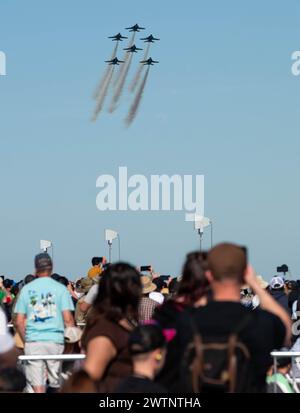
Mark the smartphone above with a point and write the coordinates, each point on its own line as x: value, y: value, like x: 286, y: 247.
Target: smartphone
x: 165, y: 277
x: 145, y: 268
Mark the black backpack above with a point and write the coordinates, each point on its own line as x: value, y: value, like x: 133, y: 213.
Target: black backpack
x: 217, y: 365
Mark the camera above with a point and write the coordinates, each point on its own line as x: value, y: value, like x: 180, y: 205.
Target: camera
x: 283, y: 269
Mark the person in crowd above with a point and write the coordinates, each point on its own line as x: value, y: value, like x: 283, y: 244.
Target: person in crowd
x: 277, y: 291
x: 2, y: 291
x: 173, y: 287
x: 12, y: 380
x: 157, y: 295
x: 29, y: 278
x: 8, y: 351
x: 43, y: 309
x: 192, y: 290
x: 79, y: 382
x: 147, y: 305
x: 83, y: 287
x: 147, y: 346
x: 56, y: 277
x: 293, y: 293
x: 259, y: 331
x: 280, y: 381
x: 8, y: 299
x: 87, y: 301
x: 97, y: 267
x: 113, y: 316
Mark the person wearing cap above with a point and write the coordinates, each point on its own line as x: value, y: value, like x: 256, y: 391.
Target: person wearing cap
x: 147, y: 305
x: 147, y: 347
x: 43, y: 310
x: 278, y: 293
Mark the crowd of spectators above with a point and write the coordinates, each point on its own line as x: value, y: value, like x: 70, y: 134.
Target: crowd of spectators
x: 145, y: 333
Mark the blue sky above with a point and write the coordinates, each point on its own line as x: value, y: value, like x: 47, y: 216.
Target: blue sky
x: 222, y: 102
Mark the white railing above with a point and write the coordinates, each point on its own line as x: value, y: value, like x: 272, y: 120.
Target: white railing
x: 63, y: 357
x: 10, y: 325
x: 285, y: 354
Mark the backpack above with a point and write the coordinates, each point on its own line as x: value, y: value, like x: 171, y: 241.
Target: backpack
x: 219, y: 365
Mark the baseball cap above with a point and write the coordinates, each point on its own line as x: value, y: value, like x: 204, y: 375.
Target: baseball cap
x: 43, y: 261
x: 276, y: 283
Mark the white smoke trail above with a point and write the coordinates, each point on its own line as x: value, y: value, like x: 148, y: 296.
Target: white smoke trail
x: 106, y: 73
x: 120, y: 85
x: 102, y: 95
x: 137, y: 100
x: 125, y: 59
x: 137, y: 76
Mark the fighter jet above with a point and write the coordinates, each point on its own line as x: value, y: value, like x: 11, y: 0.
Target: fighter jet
x: 149, y: 62
x: 135, y: 28
x: 149, y: 39
x: 132, y: 49
x: 118, y: 37
x: 114, y: 61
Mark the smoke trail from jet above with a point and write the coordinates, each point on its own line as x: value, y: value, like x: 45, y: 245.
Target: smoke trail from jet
x: 102, y: 95
x: 106, y: 74
x: 136, y: 103
x: 137, y: 76
x: 120, y: 85
x: 125, y: 59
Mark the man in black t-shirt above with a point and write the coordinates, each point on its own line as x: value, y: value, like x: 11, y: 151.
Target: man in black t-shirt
x: 263, y: 331
x: 147, y: 347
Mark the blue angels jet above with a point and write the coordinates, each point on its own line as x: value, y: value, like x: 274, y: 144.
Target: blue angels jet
x: 150, y: 39
x: 118, y: 37
x: 114, y: 61
x: 149, y: 62
x: 135, y: 28
x: 132, y: 49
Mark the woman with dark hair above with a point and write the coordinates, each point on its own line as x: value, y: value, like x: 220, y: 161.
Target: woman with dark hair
x: 193, y: 288
x: 113, y: 316
x: 192, y: 291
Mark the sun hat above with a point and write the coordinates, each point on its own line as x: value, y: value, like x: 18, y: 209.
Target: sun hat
x: 85, y: 285
x: 147, y: 284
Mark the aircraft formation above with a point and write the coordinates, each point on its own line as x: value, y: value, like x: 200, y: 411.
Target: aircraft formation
x: 117, y: 70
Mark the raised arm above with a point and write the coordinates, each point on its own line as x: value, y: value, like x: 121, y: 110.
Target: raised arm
x: 268, y: 303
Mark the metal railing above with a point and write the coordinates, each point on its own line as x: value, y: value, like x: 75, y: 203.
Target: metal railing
x: 62, y: 357
x: 10, y: 325
x: 286, y: 354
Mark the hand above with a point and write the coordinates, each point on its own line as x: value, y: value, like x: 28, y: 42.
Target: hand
x: 250, y: 277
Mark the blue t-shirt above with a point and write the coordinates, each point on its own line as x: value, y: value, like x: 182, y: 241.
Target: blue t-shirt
x: 43, y: 302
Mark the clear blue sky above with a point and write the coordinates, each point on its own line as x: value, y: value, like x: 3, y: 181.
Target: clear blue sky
x: 222, y: 102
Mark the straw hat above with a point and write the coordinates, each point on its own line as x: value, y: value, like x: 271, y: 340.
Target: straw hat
x: 147, y: 284
x: 85, y: 285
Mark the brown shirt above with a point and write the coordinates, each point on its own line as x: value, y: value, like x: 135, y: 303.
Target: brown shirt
x: 121, y: 366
